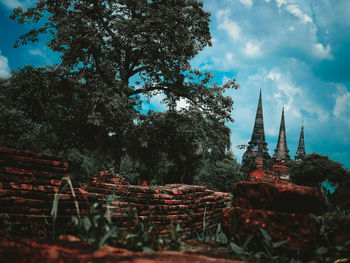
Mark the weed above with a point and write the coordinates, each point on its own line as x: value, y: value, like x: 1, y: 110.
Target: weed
x: 264, y: 249
x: 176, y: 238
x: 8, y: 225
x: 326, y: 250
x: 56, y: 199
x: 209, y: 233
x: 97, y: 227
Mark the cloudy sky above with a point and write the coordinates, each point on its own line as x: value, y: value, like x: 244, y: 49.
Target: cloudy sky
x: 296, y: 51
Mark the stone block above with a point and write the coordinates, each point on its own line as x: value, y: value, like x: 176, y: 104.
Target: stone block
x: 278, y: 197
x: 300, y: 229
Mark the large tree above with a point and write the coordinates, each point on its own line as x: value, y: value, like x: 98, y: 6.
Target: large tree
x: 171, y: 145
x: 106, y: 43
x: 114, y: 54
x: 315, y: 168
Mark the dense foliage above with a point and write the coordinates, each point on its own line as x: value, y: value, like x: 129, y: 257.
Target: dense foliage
x: 316, y: 168
x: 220, y: 174
x: 114, y: 56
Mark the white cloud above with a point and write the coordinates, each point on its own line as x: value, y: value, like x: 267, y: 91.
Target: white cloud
x: 11, y: 4
x: 342, y: 102
x: 295, y: 10
x: 36, y: 52
x: 182, y: 104
x: 281, y: 2
x: 294, y: 98
x: 154, y: 102
x: 248, y: 3
x: 323, y: 52
x: 274, y: 75
x: 4, y: 67
x: 43, y: 55
x: 251, y: 50
x: 228, y: 25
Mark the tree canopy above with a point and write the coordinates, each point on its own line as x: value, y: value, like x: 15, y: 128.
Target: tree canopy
x: 106, y: 43
x: 316, y: 168
x: 114, y: 55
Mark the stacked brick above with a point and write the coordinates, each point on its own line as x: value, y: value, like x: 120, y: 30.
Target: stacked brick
x: 278, y: 173
x: 161, y: 205
x: 29, y: 182
x: 283, y: 210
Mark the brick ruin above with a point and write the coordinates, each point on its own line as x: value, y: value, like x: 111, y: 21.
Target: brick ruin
x: 278, y: 174
x: 29, y: 182
x: 283, y: 210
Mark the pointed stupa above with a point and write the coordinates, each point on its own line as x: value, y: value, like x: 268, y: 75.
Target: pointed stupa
x: 258, y: 135
x: 281, y: 151
x: 301, y: 147
x: 257, y: 147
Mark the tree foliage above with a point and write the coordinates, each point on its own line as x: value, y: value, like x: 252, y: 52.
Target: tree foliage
x: 171, y: 144
x: 114, y: 55
x: 220, y: 174
x: 106, y: 43
x: 316, y: 168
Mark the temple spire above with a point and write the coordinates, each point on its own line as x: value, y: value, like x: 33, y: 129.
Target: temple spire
x: 301, y: 147
x: 281, y: 151
x: 258, y: 135
x: 257, y: 147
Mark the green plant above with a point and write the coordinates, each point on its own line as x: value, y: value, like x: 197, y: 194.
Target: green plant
x: 205, y: 235
x: 97, y: 227
x: 209, y: 233
x: 220, y: 235
x: 143, y: 238
x: 241, y: 251
x: 112, y: 197
x: 327, y: 250
x: 264, y: 249
x: 176, y: 238
x: 271, y: 249
x: 8, y: 225
x: 56, y: 199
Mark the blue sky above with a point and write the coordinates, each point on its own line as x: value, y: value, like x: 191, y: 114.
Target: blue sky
x: 296, y: 51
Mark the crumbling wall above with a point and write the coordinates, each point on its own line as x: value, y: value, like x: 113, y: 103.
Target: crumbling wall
x: 29, y: 182
x: 283, y: 210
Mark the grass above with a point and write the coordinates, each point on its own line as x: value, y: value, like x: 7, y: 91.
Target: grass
x: 54, y: 210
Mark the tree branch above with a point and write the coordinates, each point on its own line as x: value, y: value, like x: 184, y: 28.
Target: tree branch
x: 144, y: 90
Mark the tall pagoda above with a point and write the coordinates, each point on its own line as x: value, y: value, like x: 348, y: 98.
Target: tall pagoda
x: 281, y: 151
x: 257, y: 147
x: 301, y: 146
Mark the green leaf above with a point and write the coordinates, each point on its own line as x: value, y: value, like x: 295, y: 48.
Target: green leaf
x: 108, y: 219
x: 347, y: 243
x: 266, y: 236
x: 95, y: 219
x: 105, y: 237
x: 128, y: 236
x: 279, y: 243
x: 236, y: 249
x: 86, y: 223
x: 340, y: 248
x: 321, y: 250
x: 147, y: 250
x: 247, y: 241
x: 75, y: 220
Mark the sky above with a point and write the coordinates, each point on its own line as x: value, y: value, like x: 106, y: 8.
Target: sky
x: 297, y: 52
